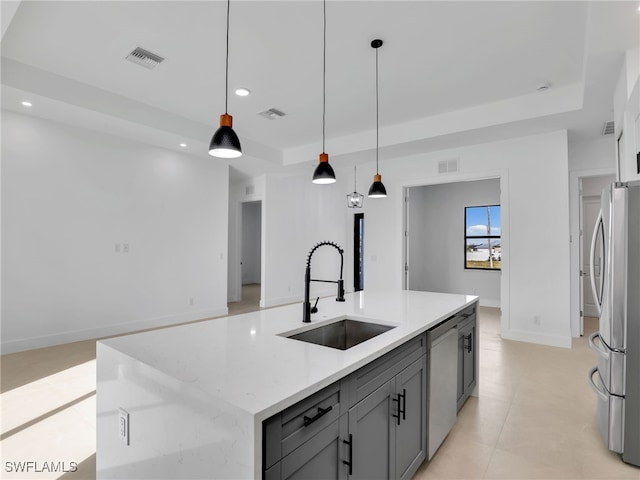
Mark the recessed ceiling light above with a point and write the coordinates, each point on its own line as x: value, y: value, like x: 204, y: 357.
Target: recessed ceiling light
x: 183, y: 145
x: 27, y: 104
x: 242, y: 92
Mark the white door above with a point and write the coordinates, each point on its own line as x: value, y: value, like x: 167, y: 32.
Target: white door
x: 590, y: 210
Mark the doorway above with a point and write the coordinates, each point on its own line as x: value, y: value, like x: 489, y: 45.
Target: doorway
x: 251, y: 252
x: 358, y: 252
x: 435, y: 239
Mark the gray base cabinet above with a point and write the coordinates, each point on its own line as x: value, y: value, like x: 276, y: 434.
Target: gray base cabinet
x: 387, y: 428
x: 467, y: 356
x: 371, y: 424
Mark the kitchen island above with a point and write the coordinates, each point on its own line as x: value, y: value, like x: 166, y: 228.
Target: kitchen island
x: 190, y: 401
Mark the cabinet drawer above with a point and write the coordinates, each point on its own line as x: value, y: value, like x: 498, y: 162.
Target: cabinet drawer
x: 289, y: 429
x: 372, y: 376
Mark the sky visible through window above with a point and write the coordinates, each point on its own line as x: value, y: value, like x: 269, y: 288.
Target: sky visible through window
x: 482, y: 237
x: 477, y: 220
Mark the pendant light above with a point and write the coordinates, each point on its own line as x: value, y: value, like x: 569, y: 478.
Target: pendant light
x: 355, y: 199
x: 377, y: 189
x: 324, y: 173
x: 225, y: 142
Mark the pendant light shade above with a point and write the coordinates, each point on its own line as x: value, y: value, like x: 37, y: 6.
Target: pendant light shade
x: 324, y: 174
x: 377, y: 189
x: 355, y: 199
x: 225, y: 143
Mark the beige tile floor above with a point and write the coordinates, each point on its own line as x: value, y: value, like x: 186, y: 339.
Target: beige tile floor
x: 534, y: 417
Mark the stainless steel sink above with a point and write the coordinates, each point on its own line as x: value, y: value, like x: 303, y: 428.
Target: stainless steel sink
x: 342, y: 335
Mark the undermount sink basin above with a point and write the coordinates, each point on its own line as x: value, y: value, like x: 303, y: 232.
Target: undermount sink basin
x: 342, y: 335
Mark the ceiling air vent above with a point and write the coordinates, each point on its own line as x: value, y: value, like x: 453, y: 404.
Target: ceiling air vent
x: 272, y: 113
x: 145, y: 58
x: 608, y: 128
x: 448, y: 166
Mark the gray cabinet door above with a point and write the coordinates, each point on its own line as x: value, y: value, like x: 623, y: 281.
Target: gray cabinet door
x: 411, y: 433
x: 467, y: 360
x: 321, y: 457
x: 461, y: 347
x: 371, y: 430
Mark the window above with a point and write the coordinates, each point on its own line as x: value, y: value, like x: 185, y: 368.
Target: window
x: 483, y: 246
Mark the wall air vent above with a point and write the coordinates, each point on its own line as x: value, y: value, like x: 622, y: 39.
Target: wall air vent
x: 448, y: 166
x: 144, y: 58
x: 608, y: 128
x: 272, y: 113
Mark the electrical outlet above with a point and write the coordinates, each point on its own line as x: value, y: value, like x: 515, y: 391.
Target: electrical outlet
x: 191, y: 301
x: 536, y: 319
x: 123, y: 425
x: 125, y: 247
x: 117, y: 248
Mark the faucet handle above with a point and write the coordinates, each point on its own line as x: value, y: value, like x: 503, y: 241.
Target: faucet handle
x: 314, y: 309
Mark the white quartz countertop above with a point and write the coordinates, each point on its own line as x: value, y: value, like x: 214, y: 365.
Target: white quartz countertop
x: 244, y: 361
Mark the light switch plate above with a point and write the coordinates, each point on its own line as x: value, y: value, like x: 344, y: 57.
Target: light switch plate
x: 123, y: 425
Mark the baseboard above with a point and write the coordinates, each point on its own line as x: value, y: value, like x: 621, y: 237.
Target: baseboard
x: 276, y: 302
x: 488, y: 302
x: 122, y: 328
x: 538, y: 338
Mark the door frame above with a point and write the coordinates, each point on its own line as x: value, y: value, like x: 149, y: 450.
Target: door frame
x: 503, y: 176
x: 234, y: 286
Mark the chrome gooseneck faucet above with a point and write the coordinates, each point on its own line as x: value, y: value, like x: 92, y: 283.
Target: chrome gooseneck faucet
x: 306, y: 306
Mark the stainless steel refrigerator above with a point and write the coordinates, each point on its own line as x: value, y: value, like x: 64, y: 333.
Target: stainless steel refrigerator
x: 616, y: 378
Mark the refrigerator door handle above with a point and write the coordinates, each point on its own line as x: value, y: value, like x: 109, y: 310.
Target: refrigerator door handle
x: 603, y: 395
x: 598, y: 348
x: 597, y: 298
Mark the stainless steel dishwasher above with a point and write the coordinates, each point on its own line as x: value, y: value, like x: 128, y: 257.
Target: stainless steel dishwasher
x: 442, y: 382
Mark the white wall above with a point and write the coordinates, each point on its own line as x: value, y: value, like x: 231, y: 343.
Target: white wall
x: 436, y: 239
x: 251, y: 235
x: 297, y: 214
x: 68, y: 197
x: 533, y: 174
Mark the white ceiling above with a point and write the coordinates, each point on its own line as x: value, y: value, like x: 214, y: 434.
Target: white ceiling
x: 451, y: 72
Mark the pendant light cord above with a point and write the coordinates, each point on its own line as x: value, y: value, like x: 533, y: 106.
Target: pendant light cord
x: 355, y: 179
x: 377, y: 127
x: 324, y: 68
x: 226, y: 81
